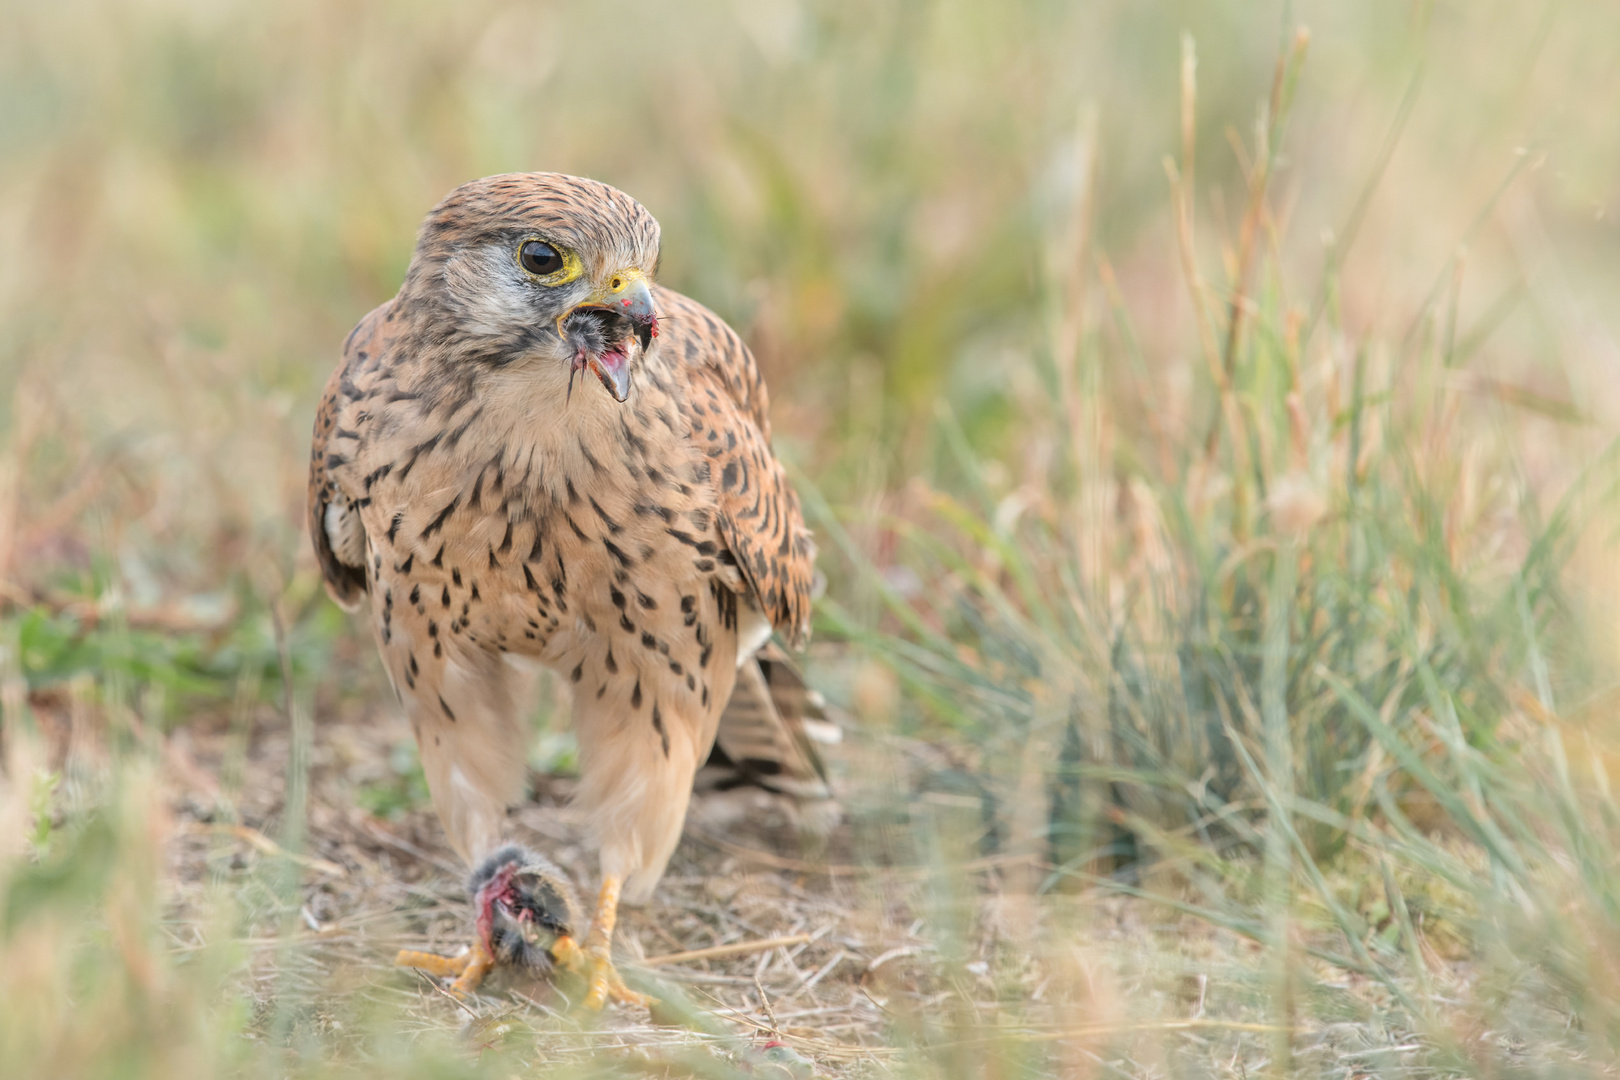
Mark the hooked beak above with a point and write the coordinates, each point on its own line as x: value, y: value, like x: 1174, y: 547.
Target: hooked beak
x: 625, y: 294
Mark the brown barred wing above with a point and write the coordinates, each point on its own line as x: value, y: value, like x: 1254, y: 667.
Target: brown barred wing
x: 759, y: 516
x: 335, y: 530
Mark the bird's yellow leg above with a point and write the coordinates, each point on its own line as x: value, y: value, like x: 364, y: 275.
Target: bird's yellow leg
x: 440, y: 967
x: 569, y: 956
x: 478, y: 964
x: 595, y: 960
x: 469, y: 968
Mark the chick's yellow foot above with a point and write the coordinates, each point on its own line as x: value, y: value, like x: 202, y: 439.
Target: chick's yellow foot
x: 602, y: 981
x: 469, y: 967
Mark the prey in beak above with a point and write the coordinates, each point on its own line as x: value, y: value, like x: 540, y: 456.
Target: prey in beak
x: 602, y: 329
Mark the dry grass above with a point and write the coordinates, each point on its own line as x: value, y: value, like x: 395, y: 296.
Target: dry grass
x: 922, y: 963
x: 1208, y: 427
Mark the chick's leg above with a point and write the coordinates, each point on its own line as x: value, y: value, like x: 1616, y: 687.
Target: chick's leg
x: 594, y: 962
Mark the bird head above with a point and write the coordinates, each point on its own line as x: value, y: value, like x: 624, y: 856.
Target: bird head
x: 540, y: 268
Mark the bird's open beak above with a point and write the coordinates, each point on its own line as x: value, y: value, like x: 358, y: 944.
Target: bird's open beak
x: 613, y: 369
x: 624, y: 293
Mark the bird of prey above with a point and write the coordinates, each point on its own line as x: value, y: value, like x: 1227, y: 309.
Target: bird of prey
x: 533, y: 453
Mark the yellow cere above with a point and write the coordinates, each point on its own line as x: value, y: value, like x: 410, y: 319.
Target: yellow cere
x: 620, y: 281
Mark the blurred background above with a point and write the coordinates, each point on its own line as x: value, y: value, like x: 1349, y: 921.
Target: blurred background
x: 200, y: 199
x: 1204, y: 409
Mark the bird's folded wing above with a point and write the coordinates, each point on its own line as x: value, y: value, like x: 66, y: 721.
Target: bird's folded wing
x: 760, y: 520
x: 335, y: 530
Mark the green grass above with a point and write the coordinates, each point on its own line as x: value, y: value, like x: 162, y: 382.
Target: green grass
x: 1207, y: 427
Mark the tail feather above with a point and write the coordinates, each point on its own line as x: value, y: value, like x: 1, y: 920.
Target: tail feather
x: 765, y: 736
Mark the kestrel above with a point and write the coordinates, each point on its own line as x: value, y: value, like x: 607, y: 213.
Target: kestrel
x: 535, y: 454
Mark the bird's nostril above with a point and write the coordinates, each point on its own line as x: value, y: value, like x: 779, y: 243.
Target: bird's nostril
x: 618, y: 283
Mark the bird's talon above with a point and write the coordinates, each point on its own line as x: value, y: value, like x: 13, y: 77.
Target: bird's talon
x: 605, y: 985
x: 440, y: 967
x: 602, y: 980
x: 478, y: 965
x: 567, y: 954
x: 469, y: 966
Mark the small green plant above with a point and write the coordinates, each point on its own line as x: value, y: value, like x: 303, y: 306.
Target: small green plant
x: 39, y: 806
x: 404, y: 790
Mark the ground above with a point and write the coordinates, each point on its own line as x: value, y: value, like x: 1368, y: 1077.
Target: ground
x: 947, y: 959
x: 372, y: 886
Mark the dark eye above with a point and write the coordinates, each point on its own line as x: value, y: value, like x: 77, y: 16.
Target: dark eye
x: 539, y: 258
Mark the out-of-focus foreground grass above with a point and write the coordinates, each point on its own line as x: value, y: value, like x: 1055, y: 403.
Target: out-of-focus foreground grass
x: 1209, y: 427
